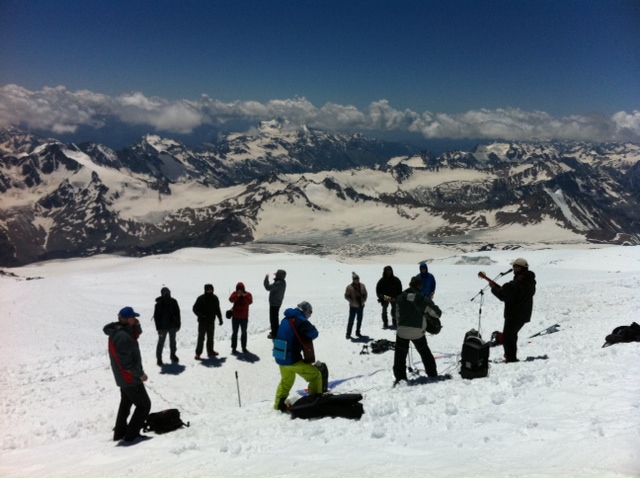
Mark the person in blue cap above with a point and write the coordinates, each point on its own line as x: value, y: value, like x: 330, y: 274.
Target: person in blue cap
x: 126, y: 364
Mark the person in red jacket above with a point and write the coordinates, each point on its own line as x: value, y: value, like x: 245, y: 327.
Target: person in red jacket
x: 241, y: 300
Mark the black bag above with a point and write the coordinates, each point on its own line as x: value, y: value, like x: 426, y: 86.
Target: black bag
x: 229, y: 313
x: 434, y: 326
x: 164, y: 421
x: 345, y: 405
x: 382, y: 345
x: 324, y: 371
x: 474, y: 362
x: 624, y: 333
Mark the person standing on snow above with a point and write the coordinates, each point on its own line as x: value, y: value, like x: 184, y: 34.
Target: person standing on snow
x: 387, y: 289
x: 126, y: 364
x: 166, y: 315
x: 294, y: 327
x: 517, y: 296
x: 356, y: 295
x: 428, y: 281
x: 276, y: 296
x: 207, y: 309
x: 411, y: 310
x: 240, y: 317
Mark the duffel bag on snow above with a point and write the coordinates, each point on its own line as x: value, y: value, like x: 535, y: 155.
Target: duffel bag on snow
x: 346, y: 405
x: 164, y: 421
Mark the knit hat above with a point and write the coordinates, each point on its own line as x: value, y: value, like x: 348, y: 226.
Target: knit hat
x: 520, y: 262
x: 208, y: 287
x: 416, y: 282
x: 165, y: 292
x: 355, y: 276
x: 305, y: 307
x: 127, y: 313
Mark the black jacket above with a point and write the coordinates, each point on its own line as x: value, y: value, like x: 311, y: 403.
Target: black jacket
x: 207, y: 308
x: 388, y: 285
x: 166, y: 313
x: 517, y: 296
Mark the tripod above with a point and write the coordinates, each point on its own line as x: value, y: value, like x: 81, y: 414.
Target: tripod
x: 481, y: 294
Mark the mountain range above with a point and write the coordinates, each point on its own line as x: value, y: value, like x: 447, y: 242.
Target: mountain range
x: 310, y: 189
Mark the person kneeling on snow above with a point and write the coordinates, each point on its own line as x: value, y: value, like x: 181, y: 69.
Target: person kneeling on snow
x: 294, y: 328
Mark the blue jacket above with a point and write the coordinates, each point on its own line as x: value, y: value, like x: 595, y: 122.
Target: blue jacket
x: 305, y: 330
x: 428, y: 282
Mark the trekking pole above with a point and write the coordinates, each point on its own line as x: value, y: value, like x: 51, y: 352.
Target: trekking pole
x: 238, y: 387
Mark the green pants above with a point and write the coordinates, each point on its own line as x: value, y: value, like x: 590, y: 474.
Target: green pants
x: 288, y: 373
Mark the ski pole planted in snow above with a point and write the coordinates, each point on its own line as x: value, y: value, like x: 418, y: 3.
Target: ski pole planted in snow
x: 238, y: 387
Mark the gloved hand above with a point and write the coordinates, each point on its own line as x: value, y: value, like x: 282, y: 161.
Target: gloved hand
x: 144, y: 377
x: 220, y: 321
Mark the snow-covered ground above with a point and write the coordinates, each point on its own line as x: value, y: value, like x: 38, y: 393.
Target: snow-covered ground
x: 575, y: 414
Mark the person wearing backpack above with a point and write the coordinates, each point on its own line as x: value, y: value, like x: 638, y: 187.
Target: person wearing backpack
x: 276, y: 296
x: 295, y: 326
x: 126, y: 364
x: 207, y: 309
x: 166, y: 315
x: 517, y: 296
x: 411, y: 310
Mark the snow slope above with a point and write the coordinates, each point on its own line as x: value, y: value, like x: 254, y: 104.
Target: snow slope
x: 575, y: 414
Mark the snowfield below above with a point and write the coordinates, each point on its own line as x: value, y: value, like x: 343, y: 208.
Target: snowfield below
x: 576, y: 413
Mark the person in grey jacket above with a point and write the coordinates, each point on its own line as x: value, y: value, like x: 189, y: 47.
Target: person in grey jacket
x: 126, y: 364
x: 276, y: 296
x: 411, y: 310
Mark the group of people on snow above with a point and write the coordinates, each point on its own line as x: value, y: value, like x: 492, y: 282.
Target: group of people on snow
x: 409, y: 309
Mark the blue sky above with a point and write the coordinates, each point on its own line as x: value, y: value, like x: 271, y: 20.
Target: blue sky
x: 513, y: 68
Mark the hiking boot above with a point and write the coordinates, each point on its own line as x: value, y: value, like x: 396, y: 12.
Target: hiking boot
x: 358, y: 334
x: 174, y: 358
x: 197, y: 357
x: 234, y: 352
x: 270, y: 336
x: 348, y: 336
x: 213, y: 354
x: 160, y: 362
x: 245, y: 351
x: 282, y: 406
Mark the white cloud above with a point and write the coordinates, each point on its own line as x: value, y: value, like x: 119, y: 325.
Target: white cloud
x: 62, y: 111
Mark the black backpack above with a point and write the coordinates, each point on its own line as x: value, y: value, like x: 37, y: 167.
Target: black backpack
x: 474, y: 359
x: 382, y: 345
x: 346, y: 405
x: 624, y: 333
x: 164, y: 421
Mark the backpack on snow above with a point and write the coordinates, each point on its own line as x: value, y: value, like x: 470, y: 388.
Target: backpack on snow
x: 346, y: 405
x: 164, y: 421
x: 382, y: 345
x: 624, y: 333
x: 474, y: 360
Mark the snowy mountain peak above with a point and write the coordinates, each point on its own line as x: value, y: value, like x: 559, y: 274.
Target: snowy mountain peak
x: 160, y: 195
